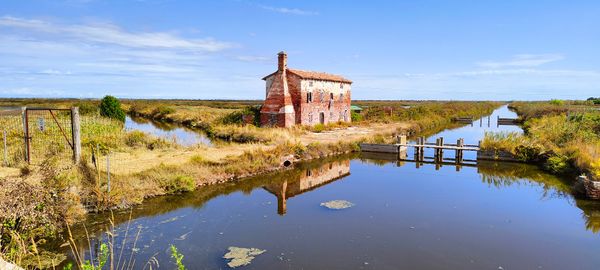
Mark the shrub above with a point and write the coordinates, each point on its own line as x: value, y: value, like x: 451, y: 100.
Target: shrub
x: 527, y: 152
x: 557, y: 102
x: 87, y: 108
x: 111, y: 107
x: 162, y: 111
x: 558, y: 164
x: 179, y: 184
x: 135, y: 138
x: 356, y: 117
x: 318, y: 128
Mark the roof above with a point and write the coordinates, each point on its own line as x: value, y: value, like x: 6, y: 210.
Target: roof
x: 314, y: 75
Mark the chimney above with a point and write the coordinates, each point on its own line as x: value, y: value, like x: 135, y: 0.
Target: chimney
x: 281, y: 61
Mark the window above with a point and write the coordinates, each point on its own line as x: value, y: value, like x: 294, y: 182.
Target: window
x: 308, y: 97
x: 310, y: 118
x: 341, y: 86
x: 310, y: 83
x: 331, y: 96
x: 322, y: 97
x: 308, y: 173
x: 341, y: 97
x: 273, y: 119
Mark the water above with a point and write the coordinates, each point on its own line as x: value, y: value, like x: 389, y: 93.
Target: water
x: 182, y: 135
x: 487, y: 216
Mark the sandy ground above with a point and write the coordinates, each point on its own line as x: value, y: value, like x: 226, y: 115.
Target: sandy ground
x: 142, y: 159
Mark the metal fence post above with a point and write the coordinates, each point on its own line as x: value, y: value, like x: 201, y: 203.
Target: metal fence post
x: 76, y: 134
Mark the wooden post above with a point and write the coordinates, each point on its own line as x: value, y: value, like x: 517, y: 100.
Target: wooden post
x: 457, y: 152
x: 76, y: 134
x: 489, y: 120
x: 108, y: 171
x: 5, y: 150
x: 26, y: 133
x: 441, y: 155
x: 481, y: 122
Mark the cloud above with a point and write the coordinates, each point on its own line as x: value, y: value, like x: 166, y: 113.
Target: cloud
x: 293, y: 11
x: 523, y: 60
x: 114, y: 35
x: 251, y: 58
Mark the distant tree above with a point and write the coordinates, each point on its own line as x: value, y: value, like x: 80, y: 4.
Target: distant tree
x: 111, y: 107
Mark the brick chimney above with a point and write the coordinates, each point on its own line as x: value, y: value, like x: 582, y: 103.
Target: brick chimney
x: 281, y: 61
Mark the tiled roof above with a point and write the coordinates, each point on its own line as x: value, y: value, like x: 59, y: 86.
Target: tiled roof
x: 313, y: 75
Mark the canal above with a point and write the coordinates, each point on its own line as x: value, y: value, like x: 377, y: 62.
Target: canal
x: 488, y: 216
x: 171, y: 131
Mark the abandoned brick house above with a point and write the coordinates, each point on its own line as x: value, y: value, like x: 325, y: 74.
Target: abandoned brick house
x: 298, y: 97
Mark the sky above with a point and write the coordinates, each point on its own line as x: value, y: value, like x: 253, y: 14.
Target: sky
x: 220, y: 49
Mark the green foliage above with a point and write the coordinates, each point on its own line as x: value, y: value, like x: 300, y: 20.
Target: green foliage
x: 87, y: 108
x: 356, y: 117
x: 179, y: 184
x: 236, y: 117
x: 136, y: 138
x: 162, y: 111
x: 527, y: 153
x: 557, y: 102
x: 318, y: 128
x: 558, y: 164
x: 111, y: 107
x: 178, y: 257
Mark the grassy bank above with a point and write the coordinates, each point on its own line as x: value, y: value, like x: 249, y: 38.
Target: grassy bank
x: 562, y: 136
x: 66, y: 192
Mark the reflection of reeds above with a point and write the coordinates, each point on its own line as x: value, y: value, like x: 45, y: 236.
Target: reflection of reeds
x: 104, y: 253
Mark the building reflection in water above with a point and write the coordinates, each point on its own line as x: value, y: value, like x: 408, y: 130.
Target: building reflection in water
x: 310, y: 179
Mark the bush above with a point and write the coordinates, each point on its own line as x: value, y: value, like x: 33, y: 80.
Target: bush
x: 318, y: 128
x: 136, y: 138
x: 558, y: 164
x: 179, y: 184
x: 356, y: 117
x: 111, y: 107
x: 557, y: 102
x: 162, y: 111
x: 527, y: 152
x: 87, y: 108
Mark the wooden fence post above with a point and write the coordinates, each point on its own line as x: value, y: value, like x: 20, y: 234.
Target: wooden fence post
x: 108, y: 171
x: 25, y: 134
x: 76, y: 134
x: 5, y: 150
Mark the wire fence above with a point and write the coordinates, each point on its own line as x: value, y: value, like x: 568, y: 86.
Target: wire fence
x: 50, y: 134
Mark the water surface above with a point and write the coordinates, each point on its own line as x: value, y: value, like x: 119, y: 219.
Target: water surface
x: 181, y: 134
x: 406, y: 216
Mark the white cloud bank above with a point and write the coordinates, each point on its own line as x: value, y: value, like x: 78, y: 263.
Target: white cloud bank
x: 293, y: 11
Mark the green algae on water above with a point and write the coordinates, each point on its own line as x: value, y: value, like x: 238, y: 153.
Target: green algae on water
x: 241, y: 256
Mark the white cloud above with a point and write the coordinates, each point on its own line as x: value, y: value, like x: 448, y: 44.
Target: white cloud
x: 523, y: 60
x: 112, y: 34
x: 252, y: 58
x: 294, y: 11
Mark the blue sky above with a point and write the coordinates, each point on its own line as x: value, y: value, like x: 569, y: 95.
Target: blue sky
x: 462, y: 50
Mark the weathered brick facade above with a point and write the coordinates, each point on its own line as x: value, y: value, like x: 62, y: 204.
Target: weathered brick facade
x: 298, y: 97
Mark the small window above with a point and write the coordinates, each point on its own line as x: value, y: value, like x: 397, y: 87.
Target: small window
x: 322, y: 98
x: 341, y: 86
x: 341, y: 97
x: 309, y: 97
x: 310, y: 83
x: 331, y: 96
x: 308, y: 173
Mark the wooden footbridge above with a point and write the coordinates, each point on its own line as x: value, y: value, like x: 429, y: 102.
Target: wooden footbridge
x: 419, y: 149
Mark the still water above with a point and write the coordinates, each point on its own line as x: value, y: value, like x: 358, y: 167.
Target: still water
x: 180, y: 134
x: 488, y: 216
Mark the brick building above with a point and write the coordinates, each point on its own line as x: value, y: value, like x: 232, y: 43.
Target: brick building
x: 299, y: 97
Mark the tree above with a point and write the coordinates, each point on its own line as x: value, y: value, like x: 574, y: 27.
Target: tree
x: 111, y: 107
